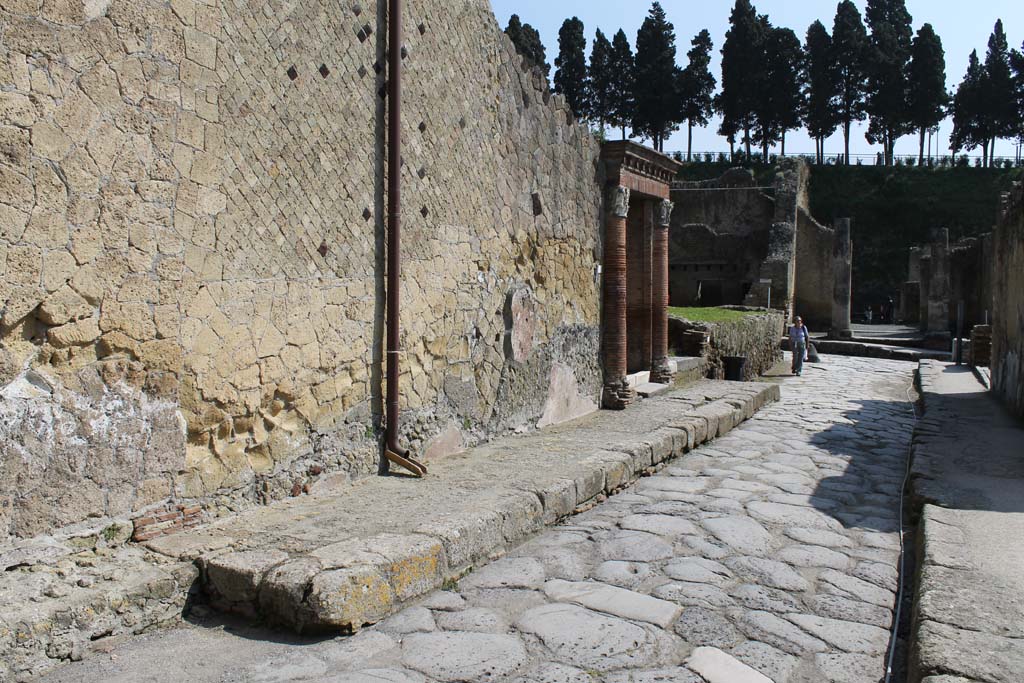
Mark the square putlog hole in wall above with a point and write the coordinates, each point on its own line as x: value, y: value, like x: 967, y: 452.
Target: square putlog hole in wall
x: 293, y: 73
x: 422, y: 28
x: 538, y: 208
x: 367, y: 214
x: 424, y: 212
x: 324, y: 71
x: 322, y: 249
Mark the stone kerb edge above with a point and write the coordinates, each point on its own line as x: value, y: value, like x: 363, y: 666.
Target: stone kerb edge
x: 353, y: 583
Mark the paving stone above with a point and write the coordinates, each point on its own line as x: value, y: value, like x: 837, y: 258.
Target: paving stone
x: 839, y: 607
x: 772, y: 662
x: 509, y: 572
x: 636, y: 546
x: 846, y: 635
x: 593, y: 641
x: 697, y: 570
x: 720, y: 667
x: 764, y: 599
x: 662, y: 525
x: 742, y: 533
x: 838, y: 667
x: 673, y: 675
x: 828, y: 539
x: 858, y: 589
x: 699, y: 626
x: 453, y: 656
x: 376, y: 676
x: 767, y: 572
x: 411, y: 620
x: 549, y: 672
x: 613, y: 600
x: 792, y: 515
x: 812, y: 556
x: 476, y: 619
x: 774, y: 630
x: 697, y: 594
x: 444, y: 600
x: 624, y: 574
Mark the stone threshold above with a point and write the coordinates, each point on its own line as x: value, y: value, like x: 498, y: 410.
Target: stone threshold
x: 339, y: 560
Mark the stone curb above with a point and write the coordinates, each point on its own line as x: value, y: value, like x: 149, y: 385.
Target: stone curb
x: 354, y: 582
x: 966, y: 626
x: 862, y: 350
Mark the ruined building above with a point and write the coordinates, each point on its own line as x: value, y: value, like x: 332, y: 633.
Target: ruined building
x: 732, y: 241
x: 192, y: 251
x: 1008, y: 303
x: 940, y: 276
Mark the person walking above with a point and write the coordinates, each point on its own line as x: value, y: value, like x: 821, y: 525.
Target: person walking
x: 799, y: 337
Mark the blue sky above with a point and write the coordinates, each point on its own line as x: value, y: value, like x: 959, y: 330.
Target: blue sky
x: 963, y: 26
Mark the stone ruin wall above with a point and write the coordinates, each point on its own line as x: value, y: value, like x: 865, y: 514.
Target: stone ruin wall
x: 720, y: 233
x: 813, y: 277
x: 1008, y: 302
x: 191, y: 256
x: 740, y: 234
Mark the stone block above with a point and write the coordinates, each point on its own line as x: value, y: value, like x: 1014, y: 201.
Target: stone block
x: 235, y: 577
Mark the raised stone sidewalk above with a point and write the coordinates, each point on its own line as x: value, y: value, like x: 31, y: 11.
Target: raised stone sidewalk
x: 967, y: 483
x: 340, y: 560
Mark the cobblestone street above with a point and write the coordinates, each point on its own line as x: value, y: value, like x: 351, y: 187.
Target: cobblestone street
x: 773, y: 549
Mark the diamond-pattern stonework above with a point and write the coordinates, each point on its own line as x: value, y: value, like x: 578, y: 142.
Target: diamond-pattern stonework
x: 193, y: 215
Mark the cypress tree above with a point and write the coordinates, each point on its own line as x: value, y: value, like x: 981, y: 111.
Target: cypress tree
x: 782, y: 95
x: 742, y: 73
x: 528, y: 44
x: 849, y: 49
x: 888, y: 66
x: 696, y: 88
x: 571, y: 76
x: 656, y: 78
x: 999, y: 115
x: 623, y: 79
x: 1017, y: 64
x: 601, y: 92
x: 968, y: 128
x: 821, y: 87
x: 927, y: 97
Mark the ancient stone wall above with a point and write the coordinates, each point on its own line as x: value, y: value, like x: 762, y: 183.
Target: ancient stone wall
x: 192, y: 249
x: 755, y: 337
x: 718, y: 239
x: 1008, y: 303
x: 813, y: 277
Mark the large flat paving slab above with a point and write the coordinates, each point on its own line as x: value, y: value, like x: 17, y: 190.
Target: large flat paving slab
x: 968, y: 486
x: 340, y: 559
x: 768, y: 554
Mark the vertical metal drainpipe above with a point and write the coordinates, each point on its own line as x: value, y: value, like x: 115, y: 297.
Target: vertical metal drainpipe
x: 393, y: 453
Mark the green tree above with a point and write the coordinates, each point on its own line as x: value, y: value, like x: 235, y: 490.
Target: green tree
x: 928, y: 98
x: 654, y: 90
x: 821, y: 87
x: 601, y: 91
x: 850, y: 51
x: 968, y: 128
x: 696, y: 88
x: 571, y: 62
x: 888, y: 67
x: 742, y: 73
x: 623, y: 79
x: 784, y: 59
x: 997, y: 93
x: 528, y: 44
x: 1017, y: 64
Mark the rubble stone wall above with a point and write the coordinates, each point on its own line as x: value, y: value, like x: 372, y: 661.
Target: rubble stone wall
x: 192, y: 249
x: 755, y: 337
x: 814, y: 281
x: 1008, y: 302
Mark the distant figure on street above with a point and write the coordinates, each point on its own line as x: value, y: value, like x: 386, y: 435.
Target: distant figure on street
x: 891, y: 307
x: 867, y: 315
x: 798, y: 340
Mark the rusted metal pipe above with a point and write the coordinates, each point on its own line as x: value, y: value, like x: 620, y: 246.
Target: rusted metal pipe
x: 393, y: 453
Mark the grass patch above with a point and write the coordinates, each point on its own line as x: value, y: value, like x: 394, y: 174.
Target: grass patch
x: 709, y: 315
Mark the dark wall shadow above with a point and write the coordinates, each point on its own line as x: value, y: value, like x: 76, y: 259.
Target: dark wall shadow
x: 379, y: 226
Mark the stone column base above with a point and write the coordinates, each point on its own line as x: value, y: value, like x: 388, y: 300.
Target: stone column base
x: 840, y: 334
x: 660, y: 372
x: 617, y: 395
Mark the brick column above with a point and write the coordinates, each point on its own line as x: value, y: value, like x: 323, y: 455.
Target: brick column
x: 617, y: 394
x: 660, y: 372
